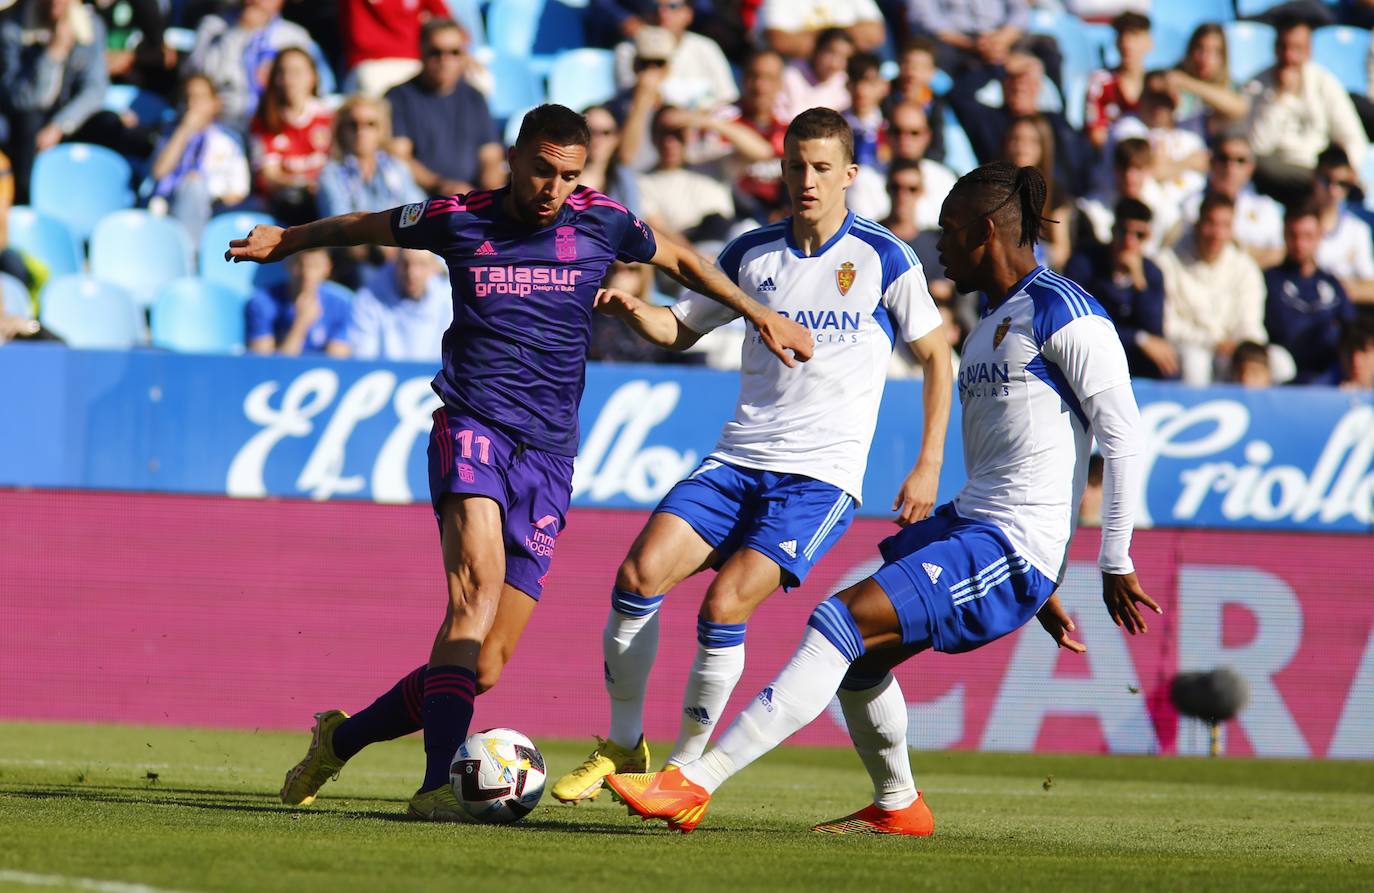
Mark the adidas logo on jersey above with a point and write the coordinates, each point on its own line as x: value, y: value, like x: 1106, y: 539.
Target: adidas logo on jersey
x: 790, y: 547
x: 485, y: 250
x: 932, y: 570
x: 767, y: 285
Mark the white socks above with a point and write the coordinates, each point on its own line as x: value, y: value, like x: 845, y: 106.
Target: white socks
x: 877, y: 718
x: 629, y: 645
x: 715, y: 672
x: 796, y: 697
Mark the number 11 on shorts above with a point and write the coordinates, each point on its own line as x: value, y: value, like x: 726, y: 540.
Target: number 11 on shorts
x: 466, y: 439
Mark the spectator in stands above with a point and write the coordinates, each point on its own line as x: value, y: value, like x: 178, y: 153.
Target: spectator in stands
x: 613, y: 341
x: 200, y: 167
x: 402, y: 310
x: 1023, y: 78
x: 1250, y: 366
x: 1306, y: 306
x: 603, y: 170
x: 1213, y: 294
x: 1115, y: 92
x: 698, y: 75
x: 1297, y: 109
x: 1180, y: 156
x: 905, y: 189
x: 362, y: 176
x: 758, y: 184
x: 381, y: 40
x: 820, y: 80
x: 970, y: 34
x: 52, y: 76
x: 1259, y: 219
x: 292, y: 132
x: 792, y: 27
x: 1347, y: 246
x: 302, y: 315
x: 443, y: 128
x: 1130, y: 288
x: 1208, y: 103
x: 1356, y: 352
x: 1030, y: 143
x: 135, y: 51
x: 915, y: 83
x: 12, y: 261
x: 676, y: 200
x: 867, y: 90
x: 909, y: 135
x: 1132, y: 177
x: 235, y: 50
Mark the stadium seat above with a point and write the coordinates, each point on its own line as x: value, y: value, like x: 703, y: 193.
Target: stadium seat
x: 959, y: 155
x: 240, y: 278
x: 1185, y: 15
x: 15, y: 298
x: 140, y: 252
x: 512, y: 129
x: 582, y: 78
x: 79, y: 184
x: 191, y: 315
x: 1250, y: 9
x: 1170, y: 45
x: 517, y: 85
x: 535, y: 30
x: 1343, y: 51
x: 91, y: 314
x: 468, y: 13
x: 46, y: 238
x: 150, y: 108
x: 1249, y: 47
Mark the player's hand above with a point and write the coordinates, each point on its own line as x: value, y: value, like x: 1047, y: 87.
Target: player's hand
x: 1058, y: 624
x: 916, y: 498
x: 1161, y: 353
x: 1124, y: 595
x: 263, y: 245
x: 616, y: 303
x: 781, y: 335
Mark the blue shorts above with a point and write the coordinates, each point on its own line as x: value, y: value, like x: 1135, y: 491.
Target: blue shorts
x: 958, y: 584
x: 791, y: 518
x: 468, y: 456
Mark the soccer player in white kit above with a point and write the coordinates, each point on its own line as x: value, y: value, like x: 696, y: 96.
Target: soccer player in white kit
x: 781, y: 485
x: 1042, y: 374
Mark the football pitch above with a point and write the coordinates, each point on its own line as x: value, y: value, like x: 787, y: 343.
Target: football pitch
x: 138, y: 810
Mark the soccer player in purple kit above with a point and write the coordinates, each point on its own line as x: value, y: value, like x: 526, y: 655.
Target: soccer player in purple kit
x: 526, y: 262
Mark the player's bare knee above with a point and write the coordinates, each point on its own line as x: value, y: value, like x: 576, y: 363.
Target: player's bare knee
x: 639, y: 573
x: 725, y: 604
x: 489, y: 667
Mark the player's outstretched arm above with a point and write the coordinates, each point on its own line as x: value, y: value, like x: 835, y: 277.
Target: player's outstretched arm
x: 266, y: 244
x: 916, y: 499
x: 657, y: 325
x: 789, y: 341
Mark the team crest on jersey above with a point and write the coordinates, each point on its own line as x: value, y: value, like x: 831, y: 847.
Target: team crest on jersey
x: 410, y: 214
x: 844, y: 277
x: 565, y: 243
x: 1002, y: 328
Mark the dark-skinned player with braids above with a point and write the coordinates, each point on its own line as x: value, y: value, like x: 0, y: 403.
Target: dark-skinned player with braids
x: 1043, y: 373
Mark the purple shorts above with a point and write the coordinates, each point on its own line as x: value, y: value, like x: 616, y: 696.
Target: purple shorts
x: 533, y: 487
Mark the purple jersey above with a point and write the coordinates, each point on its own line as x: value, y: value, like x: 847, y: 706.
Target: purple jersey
x: 516, y: 353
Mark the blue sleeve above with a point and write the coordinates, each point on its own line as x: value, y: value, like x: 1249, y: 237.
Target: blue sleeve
x: 636, y: 241
x: 333, y: 195
x: 427, y: 225
x: 730, y: 257
x: 259, y: 317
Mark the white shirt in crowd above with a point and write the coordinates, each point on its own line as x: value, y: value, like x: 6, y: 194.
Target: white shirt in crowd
x: 682, y: 197
x: 1207, y: 303
x: 814, y: 15
x: 698, y: 75
x: 1347, y: 252
x: 387, y: 325
x: 1258, y: 221
x: 1296, y: 127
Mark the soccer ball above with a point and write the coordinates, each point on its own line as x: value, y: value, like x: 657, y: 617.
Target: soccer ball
x: 498, y: 775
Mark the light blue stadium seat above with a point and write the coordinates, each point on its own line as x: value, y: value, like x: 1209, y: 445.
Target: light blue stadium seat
x: 512, y: 25
x: 192, y: 315
x: 92, y: 314
x: 959, y: 155
x: 517, y: 85
x: 1170, y: 45
x: 513, y: 125
x: 46, y: 238
x: 214, y: 241
x: 468, y: 13
x: 79, y: 184
x: 1249, y: 47
x: 1343, y: 51
x: 150, y: 108
x: 582, y: 78
x: 1249, y: 9
x: 1081, y: 44
x: 140, y: 252
x: 15, y: 297
x: 535, y: 30
x: 1185, y: 15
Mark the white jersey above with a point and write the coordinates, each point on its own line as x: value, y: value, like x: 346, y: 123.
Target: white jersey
x: 1028, y: 366
x: 860, y: 291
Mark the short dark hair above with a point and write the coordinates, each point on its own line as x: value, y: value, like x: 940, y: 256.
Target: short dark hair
x: 831, y: 35
x: 1356, y: 335
x: 1133, y: 209
x: 1299, y: 210
x: 1249, y: 352
x: 1132, y: 152
x: 921, y: 43
x: 823, y: 123
x: 1010, y: 195
x: 1129, y: 22
x: 556, y: 123
x: 434, y: 26
x: 1333, y: 156
x: 1213, y: 200
x: 860, y: 64
x: 1287, y: 23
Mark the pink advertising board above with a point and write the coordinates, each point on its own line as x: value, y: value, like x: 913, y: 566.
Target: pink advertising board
x: 187, y: 610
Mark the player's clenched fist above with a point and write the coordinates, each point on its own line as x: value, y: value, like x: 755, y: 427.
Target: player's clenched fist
x: 790, y: 341
x: 263, y: 244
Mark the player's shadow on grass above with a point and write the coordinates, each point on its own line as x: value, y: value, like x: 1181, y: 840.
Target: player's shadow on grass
x: 186, y: 798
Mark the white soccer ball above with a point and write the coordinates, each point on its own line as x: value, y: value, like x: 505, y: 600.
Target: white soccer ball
x: 498, y: 775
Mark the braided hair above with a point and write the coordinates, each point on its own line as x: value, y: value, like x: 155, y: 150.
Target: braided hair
x: 1000, y: 190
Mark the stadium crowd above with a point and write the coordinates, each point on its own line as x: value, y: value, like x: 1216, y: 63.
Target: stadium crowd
x: 1205, y: 162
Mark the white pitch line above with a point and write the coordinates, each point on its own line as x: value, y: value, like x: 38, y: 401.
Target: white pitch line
x: 80, y: 883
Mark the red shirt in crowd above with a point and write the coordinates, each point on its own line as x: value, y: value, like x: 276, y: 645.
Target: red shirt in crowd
x: 301, y: 147
x: 763, y: 179
x: 1106, y: 103
x: 384, y: 29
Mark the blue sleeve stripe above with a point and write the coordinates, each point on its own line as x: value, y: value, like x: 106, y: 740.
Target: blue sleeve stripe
x: 869, y: 226
x: 1053, y: 376
x: 1076, y: 305
x: 895, y: 255
x: 733, y: 253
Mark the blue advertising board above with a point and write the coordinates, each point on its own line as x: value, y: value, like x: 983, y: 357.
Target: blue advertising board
x: 247, y: 426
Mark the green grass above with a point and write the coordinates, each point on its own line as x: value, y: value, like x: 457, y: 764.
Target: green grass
x: 197, y: 810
